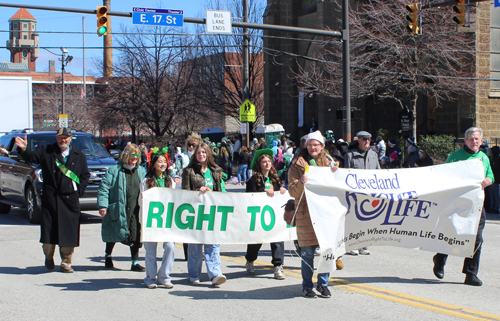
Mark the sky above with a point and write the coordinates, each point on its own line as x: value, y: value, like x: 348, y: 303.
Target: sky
x: 60, y: 22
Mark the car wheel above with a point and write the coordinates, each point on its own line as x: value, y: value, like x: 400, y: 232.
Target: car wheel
x: 4, y: 208
x: 32, y: 206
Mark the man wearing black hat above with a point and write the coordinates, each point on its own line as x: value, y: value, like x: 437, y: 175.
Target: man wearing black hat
x: 393, y: 147
x: 361, y: 156
x: 65, y: 177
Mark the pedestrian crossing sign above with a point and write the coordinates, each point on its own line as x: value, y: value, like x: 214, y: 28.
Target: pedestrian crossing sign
x: 247, y: 111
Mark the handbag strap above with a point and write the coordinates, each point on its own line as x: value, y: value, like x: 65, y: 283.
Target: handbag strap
x: 297, y: 207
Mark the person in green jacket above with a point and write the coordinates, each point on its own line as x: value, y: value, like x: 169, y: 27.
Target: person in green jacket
x: 473, y: 140
x: 117, y: 200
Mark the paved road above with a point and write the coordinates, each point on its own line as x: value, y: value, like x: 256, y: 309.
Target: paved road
x: 390, y: 284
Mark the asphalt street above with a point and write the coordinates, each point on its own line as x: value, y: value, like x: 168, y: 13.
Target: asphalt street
x: 390, y: 284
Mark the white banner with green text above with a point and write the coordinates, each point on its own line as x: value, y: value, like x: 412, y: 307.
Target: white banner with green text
x: 174, y: 215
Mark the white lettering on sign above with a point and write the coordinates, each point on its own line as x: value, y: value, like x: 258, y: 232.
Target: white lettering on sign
x: 143, y: 18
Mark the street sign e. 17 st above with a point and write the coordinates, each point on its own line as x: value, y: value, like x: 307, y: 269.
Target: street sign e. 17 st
x: 158, y: 17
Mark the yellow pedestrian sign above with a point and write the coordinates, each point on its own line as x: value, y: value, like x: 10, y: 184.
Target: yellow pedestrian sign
x: 247, y: 111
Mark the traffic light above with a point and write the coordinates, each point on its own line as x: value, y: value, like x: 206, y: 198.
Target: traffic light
x: 102, y: 20
x: 413, y: 17
x: 459, y: 9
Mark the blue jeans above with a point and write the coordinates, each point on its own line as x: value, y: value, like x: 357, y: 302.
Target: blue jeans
x: 242, y: 170
x: 307, y: 268
x: 195, y: 260
x: 167, y: 262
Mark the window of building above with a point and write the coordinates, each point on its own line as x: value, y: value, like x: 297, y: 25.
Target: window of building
x: 15, y: 25
x: 25, y: 25
x: 33, y: 27
x: 25, y: 37
x: 494, y: 51
x: 25, y: 53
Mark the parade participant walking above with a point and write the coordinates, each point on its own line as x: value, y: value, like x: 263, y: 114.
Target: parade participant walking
x: 473, y: 140
x: 202, y: 174
x: 265, y: 179
x: 117, y: 200
x: 243, y: 161
x: 157, y: 177
x: 66, y: 176
x: 312, y: 155
x: 361, y: 156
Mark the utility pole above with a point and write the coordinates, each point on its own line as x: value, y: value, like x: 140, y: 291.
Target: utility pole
x: 345, y: 71
x: 246, y: 67
x: 63, y: 60
x: 83, y: 33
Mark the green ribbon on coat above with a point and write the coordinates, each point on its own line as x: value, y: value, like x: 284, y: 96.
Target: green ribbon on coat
x: 67, y: 172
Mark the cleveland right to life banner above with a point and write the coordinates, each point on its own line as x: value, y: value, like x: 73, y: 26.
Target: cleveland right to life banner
x: 434, y: 208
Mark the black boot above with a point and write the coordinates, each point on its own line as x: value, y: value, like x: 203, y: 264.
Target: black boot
x: 438, y: 267
x: 109, y: 263
x: 471, y: 279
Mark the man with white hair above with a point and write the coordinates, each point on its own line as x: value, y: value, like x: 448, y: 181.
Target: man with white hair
x: 473, y: 141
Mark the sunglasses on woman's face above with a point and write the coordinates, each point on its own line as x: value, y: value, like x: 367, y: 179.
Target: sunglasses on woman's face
x: 135, y: 155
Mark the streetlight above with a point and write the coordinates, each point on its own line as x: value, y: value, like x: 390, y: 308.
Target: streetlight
x: 64, y: 61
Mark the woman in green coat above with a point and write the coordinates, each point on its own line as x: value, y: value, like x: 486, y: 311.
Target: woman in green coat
x: 117, y: 200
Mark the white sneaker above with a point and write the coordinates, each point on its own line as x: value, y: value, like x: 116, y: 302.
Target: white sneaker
x: 194, y: 281
x: 364, y: 251
x: 317, y: 251
x: 218, y: 279
x: 250, y: 268
x: 166, y: 284
x: 151, y: 285
x: 278, y: 272
x: 354, y: 252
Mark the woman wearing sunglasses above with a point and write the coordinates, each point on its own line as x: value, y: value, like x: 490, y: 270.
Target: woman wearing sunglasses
x: 117, y: 200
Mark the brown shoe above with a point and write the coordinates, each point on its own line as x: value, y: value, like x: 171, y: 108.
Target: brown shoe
x: 65, y: 268
x: 339, y: 264
x: 49, y: 263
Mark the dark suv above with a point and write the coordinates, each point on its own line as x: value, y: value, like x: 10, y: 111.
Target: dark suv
x: 21, y: 181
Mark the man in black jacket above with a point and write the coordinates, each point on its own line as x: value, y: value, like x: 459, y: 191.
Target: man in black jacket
x: 65, y: 177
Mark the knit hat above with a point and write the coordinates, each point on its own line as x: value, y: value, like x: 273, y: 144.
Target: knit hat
x: 411, y: 140
x: 317, y: 136
x: 392, y: 141
x: 394, y: 155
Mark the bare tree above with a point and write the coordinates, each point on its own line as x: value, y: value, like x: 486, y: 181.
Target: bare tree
x: 220, y: 80
x: 154, y: 86
x: 387, y: 62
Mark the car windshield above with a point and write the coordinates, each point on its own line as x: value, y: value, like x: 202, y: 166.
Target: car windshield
x: 89, y: 145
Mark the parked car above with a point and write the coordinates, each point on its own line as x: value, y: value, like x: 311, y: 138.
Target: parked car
x: 21, y: 181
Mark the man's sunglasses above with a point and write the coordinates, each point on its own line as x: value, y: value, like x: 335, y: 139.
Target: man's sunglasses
x: 192, y: 144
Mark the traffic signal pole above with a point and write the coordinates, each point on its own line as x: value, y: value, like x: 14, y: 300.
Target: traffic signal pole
x: 246, y: 71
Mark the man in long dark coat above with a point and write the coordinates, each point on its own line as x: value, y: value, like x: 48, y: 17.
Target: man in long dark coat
x: 65, y: 177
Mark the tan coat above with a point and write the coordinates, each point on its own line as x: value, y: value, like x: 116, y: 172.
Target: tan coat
x: 305, y: 230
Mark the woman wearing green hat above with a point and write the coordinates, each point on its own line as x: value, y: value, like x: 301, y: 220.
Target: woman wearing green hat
x: 265, y: 179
